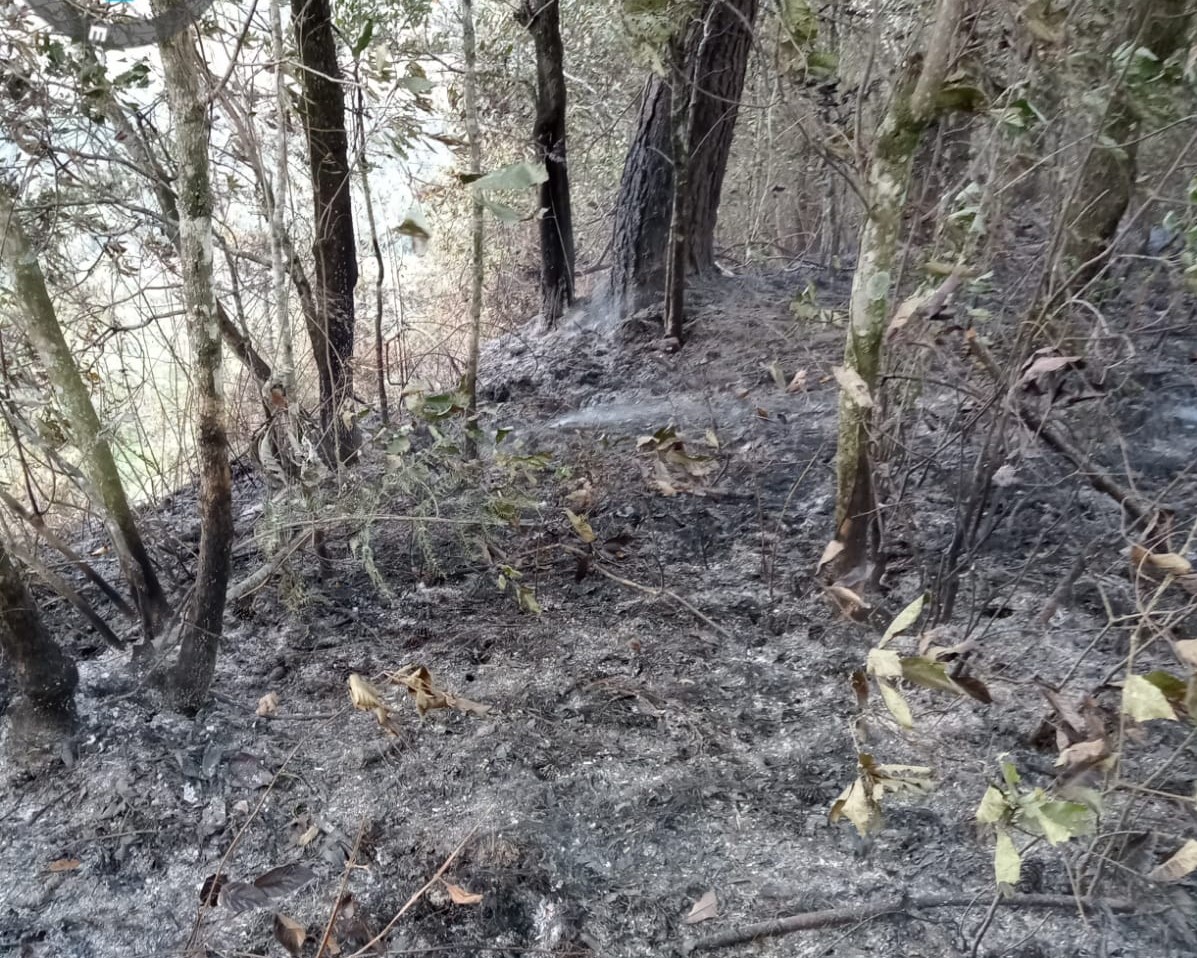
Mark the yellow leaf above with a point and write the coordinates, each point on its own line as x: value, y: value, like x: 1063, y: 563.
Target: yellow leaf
x: 993, y: 807
x: 884, y: 663
x: 1143, y: 701
x: 905, y: 619
x: 1007, y: 863
x: 857, y: 805
x: 1178, y: 866
x: 581, y: 527
x: 896, y: 704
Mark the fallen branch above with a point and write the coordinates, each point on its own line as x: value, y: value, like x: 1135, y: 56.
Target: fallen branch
x: 255, y: 580
x: 850, y: 915
x: 649, y: 590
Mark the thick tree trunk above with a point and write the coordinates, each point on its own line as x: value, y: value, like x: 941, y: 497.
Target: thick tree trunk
x: 543, y: 20
x: 39, y: 322
x: 1107, y: 178
x: 474, y: 135
x: 334, y: 248
x: 911, y: 109
x: 191, y: 676
x: 643, y: 207
x: 43, y: 715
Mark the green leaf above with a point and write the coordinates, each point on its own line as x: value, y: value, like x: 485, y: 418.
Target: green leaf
x: 884, y: 663
x: 896, y: 704
x: 1173, y: 688
x: 502, y: 212
x: 1056, y: 821
x: 517, y: 176
x: 928, y: 674
x: 1010, y: 774
x: 1143, y: 701
x: 993, y: 807
x: 363, y: 39
x: 904, y: 620
x: 1007, y: 863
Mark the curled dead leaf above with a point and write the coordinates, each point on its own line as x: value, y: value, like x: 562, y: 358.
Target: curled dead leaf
x: 362, y: 694
x: 289, y: 933
x: 705, y: 908
x: 460, y: 896
x: 830, y: 551
x: 267, y: 704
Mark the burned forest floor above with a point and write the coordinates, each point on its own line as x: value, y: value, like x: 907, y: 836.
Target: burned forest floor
x: 639, y: 705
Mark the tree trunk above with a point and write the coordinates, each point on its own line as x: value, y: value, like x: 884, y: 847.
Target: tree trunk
x: 39, y: 322
x: 542, y: 18
x: 911, y: 109
x: 334, y: 248
x: 473, y: 134
x: 1107, y: 177
x: 191, y: 676
x: 643, y: 207
x: 44, y: 713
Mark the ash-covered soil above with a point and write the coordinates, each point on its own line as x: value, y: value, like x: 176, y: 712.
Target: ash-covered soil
x: 679, y: 717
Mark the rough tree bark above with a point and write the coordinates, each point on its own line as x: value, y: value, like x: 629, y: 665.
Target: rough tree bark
x: 1107, y: 177
x: 191, y: 676
x: 474, y: 135
x: 38, y: 320
x: 43, y: 714
x: 912, y: 107
x: 643, y: 207
x: 334, y: 248
x: 542, y: 18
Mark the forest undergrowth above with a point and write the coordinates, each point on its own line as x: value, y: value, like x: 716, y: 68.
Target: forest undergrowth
x: 590, y: 696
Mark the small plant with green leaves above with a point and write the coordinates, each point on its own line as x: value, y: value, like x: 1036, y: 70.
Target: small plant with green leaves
x: 1055, y: 817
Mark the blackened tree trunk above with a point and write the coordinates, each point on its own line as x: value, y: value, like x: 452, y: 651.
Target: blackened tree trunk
x: 469, y: 45
x: 191, y: 676
x: 38, y: 320
x: 542, y: 18
x: 643, y: 208
x: 43, y: 714
x: 334, y: 248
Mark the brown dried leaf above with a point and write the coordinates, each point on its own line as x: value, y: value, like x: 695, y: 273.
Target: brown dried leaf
x: 705, y: 908
x: 284, y: 880
x: 267, y: 704
x: 798, y: 383
x: 832, y: 549
x: 460, y: 896
x: 362, y: 694
x: 974, y: 688
x: 907, y: 311
x: 289, y: 933
x: 1083, y: 753
x: 1044, y: 365
x: 64, y: 865
x: 849, y: 602
x: 1178, y: 866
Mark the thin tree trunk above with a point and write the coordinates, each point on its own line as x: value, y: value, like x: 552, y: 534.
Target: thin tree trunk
x: 39, y: 322
x: 191, y: 676
x: 542, y: 18
x: 44, y: 713
x: 135, y: 143
x: 643, y: 208
x: 380, y: 366
x: 911, y: 109
x: 280, y: 244
x: 334, y: 247
x: 1107, y: 178
x: 474, y: 136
